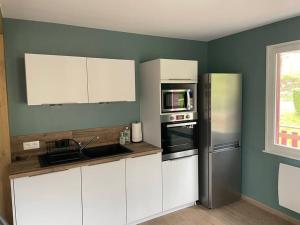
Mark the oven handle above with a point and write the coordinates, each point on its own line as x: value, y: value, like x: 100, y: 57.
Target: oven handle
x: 174, y: 90
x: 181, y: 124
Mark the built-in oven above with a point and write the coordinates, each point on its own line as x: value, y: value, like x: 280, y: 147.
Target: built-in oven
x: 179, y: 135
x: 177, y: 100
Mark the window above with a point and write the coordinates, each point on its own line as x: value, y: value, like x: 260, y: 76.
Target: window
x: 282, y: 135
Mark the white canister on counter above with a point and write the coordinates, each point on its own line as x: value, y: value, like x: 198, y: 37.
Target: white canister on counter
x: 136, y: 132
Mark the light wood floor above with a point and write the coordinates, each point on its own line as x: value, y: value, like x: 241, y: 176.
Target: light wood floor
x: 239, y: 213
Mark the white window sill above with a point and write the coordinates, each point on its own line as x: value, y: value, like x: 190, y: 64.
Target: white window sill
x: 282, y: 154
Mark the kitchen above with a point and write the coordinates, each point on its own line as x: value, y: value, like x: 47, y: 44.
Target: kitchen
x: 142, y: 182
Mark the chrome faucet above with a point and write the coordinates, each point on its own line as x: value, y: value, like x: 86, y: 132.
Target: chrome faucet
x: 89, y: 142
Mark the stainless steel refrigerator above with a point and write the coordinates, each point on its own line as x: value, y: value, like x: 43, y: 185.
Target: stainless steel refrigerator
x: 220, y: 110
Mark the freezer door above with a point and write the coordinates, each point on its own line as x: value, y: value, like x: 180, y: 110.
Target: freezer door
x: 224, y: 177
x: 226, y: 107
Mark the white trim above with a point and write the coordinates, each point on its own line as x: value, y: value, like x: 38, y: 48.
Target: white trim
x: 14, y: 210
x: 286, y: 154
x: 271, y: 210
x: 271, y: 66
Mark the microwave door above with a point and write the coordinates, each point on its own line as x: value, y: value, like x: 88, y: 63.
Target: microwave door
x: 175, y: 100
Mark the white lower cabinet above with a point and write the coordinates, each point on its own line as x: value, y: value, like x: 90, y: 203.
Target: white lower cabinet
x: 48, y: 199
x: 103, y: 194
x: 117, y: 193
x: 180, y: 182
x: 143, y: 187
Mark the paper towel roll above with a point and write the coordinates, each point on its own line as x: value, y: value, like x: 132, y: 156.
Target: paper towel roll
x: 136, y: 132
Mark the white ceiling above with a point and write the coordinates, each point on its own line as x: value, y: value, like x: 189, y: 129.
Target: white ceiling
x: 188, y: 19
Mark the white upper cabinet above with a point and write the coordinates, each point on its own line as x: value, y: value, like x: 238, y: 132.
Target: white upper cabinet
x: 48, y: 199
x: 111, y: 80
x: 178, y: 70
x: 143, y: 187
x: 52, y: 79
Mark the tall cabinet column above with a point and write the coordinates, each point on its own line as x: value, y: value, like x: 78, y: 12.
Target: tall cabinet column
x: 5, y: 155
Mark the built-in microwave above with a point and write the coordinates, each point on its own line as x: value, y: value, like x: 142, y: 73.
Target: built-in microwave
x: 177, y: 100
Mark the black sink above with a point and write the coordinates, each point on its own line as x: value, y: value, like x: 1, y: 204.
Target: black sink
x: 57, y: 158
x: 106, y: 150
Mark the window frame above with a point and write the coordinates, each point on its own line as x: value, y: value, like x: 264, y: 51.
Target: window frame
x: 270, y: 116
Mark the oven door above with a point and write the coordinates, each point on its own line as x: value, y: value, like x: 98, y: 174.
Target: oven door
x: 179, y: 139
x: 176, y: 100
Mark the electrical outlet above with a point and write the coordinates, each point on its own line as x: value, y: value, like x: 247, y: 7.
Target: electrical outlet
x: 31, y: 145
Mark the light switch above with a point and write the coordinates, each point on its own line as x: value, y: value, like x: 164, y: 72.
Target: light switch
x: 31, y: 145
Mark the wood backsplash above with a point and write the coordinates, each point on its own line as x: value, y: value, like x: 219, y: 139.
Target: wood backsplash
x: 108, y: 135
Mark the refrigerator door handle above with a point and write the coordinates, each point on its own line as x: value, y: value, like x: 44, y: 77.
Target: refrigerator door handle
x: 227, y: 145
x: 224, y: 149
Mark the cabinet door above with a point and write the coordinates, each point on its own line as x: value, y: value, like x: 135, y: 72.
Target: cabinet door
x: 103, y: 194
x: 180, y: 182
x: 49, y: 199
x: 111, y: 80
x: 144, y: 186
x: 171, y: 69
x: 52, y: 79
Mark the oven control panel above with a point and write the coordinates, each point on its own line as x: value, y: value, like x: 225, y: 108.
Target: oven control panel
x: 175, y: 117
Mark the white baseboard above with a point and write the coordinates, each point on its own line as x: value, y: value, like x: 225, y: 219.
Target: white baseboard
x: 271, y: 210
x: 162, y: 214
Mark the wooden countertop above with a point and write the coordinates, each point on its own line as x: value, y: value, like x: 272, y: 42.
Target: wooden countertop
x: 32, y: 167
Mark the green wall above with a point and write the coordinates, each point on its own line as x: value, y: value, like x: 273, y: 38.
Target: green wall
x: 46, y: 38
x: 245, y: 52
